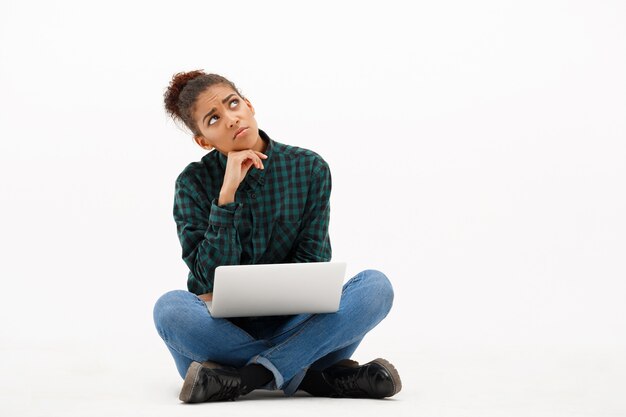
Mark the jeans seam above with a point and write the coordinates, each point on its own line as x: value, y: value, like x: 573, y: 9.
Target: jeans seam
x: 274, y: 336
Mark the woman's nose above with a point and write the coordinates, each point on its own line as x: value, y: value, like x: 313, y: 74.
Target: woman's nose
x: 232, y: 120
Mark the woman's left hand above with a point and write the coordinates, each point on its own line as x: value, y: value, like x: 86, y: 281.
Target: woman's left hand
x: 206, y: 297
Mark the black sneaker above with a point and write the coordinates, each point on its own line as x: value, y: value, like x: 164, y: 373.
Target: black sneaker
x: 375, y: 379
x: 209, y: 381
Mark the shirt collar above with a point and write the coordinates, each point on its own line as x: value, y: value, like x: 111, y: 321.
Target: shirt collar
x: 254, y: 176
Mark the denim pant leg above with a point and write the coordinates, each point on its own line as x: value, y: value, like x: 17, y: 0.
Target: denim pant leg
x: 366, y: 299
x: 192, y: 334
x: 334, y: 357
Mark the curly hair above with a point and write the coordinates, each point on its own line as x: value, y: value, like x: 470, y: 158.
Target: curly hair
x: 185, y: 87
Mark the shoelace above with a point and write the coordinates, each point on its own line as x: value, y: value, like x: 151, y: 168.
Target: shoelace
x: 229, y: 391
x: 348, y: 384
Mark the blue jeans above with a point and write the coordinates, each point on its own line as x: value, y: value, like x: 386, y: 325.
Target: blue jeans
x: 286, y: 345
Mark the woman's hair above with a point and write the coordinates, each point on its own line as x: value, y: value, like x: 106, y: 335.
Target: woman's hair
x: 185, y: 87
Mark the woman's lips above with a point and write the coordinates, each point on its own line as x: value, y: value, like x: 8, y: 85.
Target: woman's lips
x: 239, y: 134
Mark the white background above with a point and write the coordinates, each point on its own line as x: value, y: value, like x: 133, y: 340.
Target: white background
x: 477, y: 151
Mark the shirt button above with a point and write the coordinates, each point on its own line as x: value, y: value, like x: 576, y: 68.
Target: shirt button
x: 253, y: 195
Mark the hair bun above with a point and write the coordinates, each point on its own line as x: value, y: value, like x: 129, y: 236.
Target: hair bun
x: 172, y: 92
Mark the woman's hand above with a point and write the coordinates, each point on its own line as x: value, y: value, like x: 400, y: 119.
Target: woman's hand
x: 237, y: 166
x: 206, y: 297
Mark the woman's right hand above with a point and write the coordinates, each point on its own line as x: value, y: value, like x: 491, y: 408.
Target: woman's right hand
x: 237, y: 166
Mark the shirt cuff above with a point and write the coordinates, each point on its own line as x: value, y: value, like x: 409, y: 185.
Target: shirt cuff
x: 223, y: 216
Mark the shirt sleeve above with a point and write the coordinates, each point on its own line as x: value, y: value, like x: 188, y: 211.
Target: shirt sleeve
x: 313, y: 241
x: 207, y: 235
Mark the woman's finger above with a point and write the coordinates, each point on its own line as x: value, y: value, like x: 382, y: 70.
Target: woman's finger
x: 257, y: 161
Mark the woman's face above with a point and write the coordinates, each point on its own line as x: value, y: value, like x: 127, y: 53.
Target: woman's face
x: 219, y: 113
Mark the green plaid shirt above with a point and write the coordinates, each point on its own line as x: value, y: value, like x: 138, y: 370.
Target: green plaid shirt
x: 280, y: 214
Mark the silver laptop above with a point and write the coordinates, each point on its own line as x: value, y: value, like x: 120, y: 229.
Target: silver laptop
x: 277, y: 289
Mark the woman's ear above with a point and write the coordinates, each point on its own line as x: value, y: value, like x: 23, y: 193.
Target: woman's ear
x: 202, y: 143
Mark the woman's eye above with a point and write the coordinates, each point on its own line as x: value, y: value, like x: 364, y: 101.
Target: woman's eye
x: 211, y: 118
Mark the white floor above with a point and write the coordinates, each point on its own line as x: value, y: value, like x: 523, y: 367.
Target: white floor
x: 483, y: 382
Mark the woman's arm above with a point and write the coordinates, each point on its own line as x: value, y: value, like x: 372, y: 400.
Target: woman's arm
x: 206, y: 230
x: 207, y: 234
x: 313, y: 241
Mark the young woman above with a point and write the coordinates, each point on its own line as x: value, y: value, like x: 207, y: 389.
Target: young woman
x: 253, y: 200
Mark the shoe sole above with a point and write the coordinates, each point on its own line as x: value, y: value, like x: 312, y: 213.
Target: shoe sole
x: 395, y: 376
x: 191, y: 379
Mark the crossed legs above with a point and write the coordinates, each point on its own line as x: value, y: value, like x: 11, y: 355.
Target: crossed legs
x: 286, y: 345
